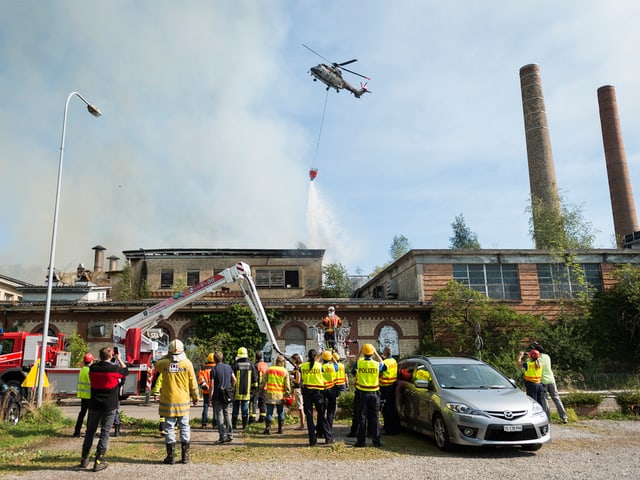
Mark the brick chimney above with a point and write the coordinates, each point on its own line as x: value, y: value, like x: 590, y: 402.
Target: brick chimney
x: 542, y: 176
x: 625, y: 219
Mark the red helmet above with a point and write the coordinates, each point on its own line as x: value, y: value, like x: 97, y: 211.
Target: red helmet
x: 288, y: 401
x: 88, y: 357
x: 534, y: 354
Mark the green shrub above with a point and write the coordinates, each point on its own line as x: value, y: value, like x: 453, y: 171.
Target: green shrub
x: 345, y: 405
x: 575, y: 399
x: 628, y: 398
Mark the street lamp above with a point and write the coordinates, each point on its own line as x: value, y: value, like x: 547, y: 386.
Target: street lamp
x: 45, y: 328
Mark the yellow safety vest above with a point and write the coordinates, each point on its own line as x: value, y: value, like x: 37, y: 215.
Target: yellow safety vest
x: 312, y: 378
x: 341, y: 376
x: 330, y: 375
x: 276, y: 377
x: 367, y: 375
x: 390, y: 375
x: 84, y: 385
x: 533, y: 374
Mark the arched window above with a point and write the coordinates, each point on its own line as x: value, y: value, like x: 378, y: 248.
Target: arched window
x: 188, y: 336
x: 295, y: 341
x: 388, y: 337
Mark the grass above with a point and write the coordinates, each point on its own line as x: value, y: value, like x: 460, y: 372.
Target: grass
x: 42, y: 441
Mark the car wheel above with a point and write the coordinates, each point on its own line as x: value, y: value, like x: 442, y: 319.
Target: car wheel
x: 532, y: 447
x: 440, y: 433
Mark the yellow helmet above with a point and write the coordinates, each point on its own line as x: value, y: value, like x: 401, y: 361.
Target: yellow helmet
x: 336, y: 357
x: 368, y: 349
x: 326, y: 356
x: 242, y: 353
x: 210, y: 358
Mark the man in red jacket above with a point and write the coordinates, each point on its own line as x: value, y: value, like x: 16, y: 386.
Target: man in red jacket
x: 105, y: 377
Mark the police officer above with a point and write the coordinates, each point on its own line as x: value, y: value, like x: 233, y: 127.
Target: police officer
x: 312, y: 395
x: 367, y: 372
x: 388, y: 379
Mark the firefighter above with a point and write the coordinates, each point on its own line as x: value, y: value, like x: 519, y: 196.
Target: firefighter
x: 247, y: 382
x: 367, y: 372
x: 204, y: 382
x: 84, y: 392
x: 257, y: 402
x: 277, y: 385
x: 179, y: 384
x: 330, y: 323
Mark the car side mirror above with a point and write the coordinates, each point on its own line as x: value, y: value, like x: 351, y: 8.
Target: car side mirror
x: 422, y: 383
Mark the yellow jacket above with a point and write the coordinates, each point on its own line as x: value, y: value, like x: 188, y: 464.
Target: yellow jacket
x: 178, y: 385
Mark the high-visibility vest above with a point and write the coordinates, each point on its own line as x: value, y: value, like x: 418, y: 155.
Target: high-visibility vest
x: 312, y: 378
x: 330, y: 374
x: 341, y: 376
x: 367, y: 375
x: 532, y: 373
x: 84, y: 384
x: 204, y: 378
x: 390, y: 374
x: 276, y: 378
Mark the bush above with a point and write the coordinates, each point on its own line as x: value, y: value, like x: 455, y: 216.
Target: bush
x: 628, y: 398
x: 587, y: 399
x: 346, y: 404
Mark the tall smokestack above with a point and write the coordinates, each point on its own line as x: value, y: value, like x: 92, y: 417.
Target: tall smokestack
x: 542, y: 176
x: 625, y: 220
x: 98, y: 259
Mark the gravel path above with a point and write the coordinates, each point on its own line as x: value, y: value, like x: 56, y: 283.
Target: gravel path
x: 594, y: 449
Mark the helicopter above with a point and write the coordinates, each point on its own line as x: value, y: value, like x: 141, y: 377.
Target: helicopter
x: 331, y: 75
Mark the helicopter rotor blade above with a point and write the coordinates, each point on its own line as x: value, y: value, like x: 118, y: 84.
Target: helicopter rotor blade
x: 345, y: 63
x: 312, y: 50
x: 355, y: 73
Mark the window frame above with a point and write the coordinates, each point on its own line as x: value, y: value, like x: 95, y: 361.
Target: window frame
x: 499, y: 281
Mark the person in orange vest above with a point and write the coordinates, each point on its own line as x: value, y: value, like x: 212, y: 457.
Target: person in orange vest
x: 204, y: 382
x: 388, y: 379
x: 276, y: 384
x: 533, y: 377
x: 312, y: 394
x: 330, y: 323
x: 257, y: 401
x: 367, y: 372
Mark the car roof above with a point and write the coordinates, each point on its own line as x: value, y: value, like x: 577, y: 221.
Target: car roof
x: 447, y: 360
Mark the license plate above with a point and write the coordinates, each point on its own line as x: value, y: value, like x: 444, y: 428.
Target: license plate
x: 513, y: 428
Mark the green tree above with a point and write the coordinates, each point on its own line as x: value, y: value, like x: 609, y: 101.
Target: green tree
x: 399, y: 247
x: 615, y: 319
x: 335, y: 281
x: 229, y: 330
x: 564, y: 229
x: 463, y: 237
x: 78, y: 346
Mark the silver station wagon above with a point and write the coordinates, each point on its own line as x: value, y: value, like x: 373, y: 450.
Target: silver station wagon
x: 464, y: 401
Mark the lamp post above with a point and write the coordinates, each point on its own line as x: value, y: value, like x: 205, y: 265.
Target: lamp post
x: 47, y: 312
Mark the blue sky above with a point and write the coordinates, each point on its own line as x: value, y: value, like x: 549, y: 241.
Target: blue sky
x: 211, y: 122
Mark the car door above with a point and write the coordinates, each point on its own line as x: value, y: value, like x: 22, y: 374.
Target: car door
x: 422, y: 397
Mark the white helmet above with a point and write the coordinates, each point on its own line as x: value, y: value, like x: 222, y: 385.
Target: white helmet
x: 176, y: 347
x: 332, y: 309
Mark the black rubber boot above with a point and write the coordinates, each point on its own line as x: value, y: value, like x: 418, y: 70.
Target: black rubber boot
x: 245, y: 421
x: 185, y: 452
x: 280, y: 425
x: 267, y: 428
x: 170, y: 459
x: 116, y: 430
x: 234, y: 423
x: 100, y: 463
x: 84, y: 462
